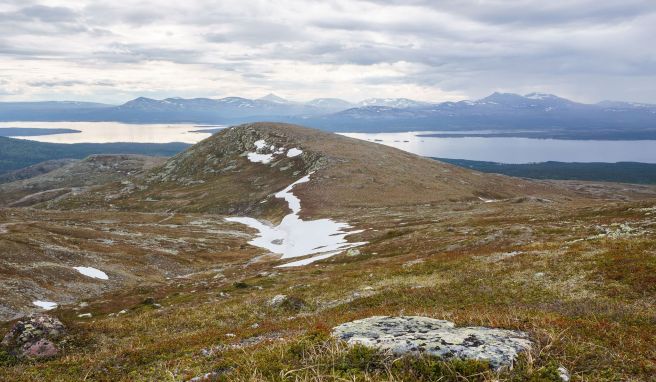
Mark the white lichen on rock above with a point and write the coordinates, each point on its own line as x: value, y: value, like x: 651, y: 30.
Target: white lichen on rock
x: 617, y: 231
x: 415, y: 334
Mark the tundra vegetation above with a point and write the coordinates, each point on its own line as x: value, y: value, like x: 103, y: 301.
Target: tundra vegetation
x: 573, y: 265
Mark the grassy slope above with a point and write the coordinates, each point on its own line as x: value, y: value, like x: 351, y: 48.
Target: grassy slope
x: 91, y: 171
x: 589, y: 304
x: 350, y: 174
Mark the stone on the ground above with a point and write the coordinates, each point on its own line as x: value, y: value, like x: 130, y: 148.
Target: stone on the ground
x: 414, y: 334
x: 286, y: 302
x: 353, y: 252
x: 32, y: 336
x: 277, y: 300
x: 149, y: 301
x: 40, y: 349
x: 205, y: 377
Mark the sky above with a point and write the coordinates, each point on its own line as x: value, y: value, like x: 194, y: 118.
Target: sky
x: 431, y: 50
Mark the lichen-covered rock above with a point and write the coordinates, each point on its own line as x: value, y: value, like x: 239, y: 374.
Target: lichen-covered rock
x: 40, y: 349
x: 33, y: 335
x: 287, y: 302
x: 205, y: 377
x: 414, y: 334
x: 563, y: 374
x: 353, y: 252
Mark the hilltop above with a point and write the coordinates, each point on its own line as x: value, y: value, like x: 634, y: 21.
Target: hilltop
x: 347, y: 174
x: 234, y: 259
x: 74, y: 177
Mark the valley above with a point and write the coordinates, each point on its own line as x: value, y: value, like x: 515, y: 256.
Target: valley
x: 194, y: 248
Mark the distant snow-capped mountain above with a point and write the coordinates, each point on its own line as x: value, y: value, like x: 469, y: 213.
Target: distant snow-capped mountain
x: 274, y: 99
x: 498, y: 111
x: 399, y: 103
x: 335, y: 104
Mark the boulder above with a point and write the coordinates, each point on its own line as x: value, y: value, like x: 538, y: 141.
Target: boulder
x: 414, y: 334
x: 32, y: 336
x: 40, y: 349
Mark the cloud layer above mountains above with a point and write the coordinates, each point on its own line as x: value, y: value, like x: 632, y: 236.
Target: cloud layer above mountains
x: 587, y: 50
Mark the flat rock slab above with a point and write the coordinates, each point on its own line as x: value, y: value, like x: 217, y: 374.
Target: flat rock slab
x: 415, y: 334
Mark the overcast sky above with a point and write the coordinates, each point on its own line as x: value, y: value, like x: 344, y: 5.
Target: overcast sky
x: 112, y: 51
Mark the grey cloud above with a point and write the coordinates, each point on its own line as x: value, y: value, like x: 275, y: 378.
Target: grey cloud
x: 69, y: 83
x: 113, y: 13
x: 536, y: 12
x: 260, y: 32
x: 583, y: 47
x: 46, y: 21
x: 52, y: 84
x: 47, y: 14
x: 132, y: 53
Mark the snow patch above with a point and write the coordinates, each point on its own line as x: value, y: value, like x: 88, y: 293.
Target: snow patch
x: 92, y: 272
x: 484, y: 200
x: 295, y: 237
x: 45, y: 305
x: 260, y: 158
x: 294, y: 152
x: 307, y: 261
x: 539, y: 96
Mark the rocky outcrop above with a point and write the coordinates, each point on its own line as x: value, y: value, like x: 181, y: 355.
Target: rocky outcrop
x: 33, y: 336
x: 413, y: 334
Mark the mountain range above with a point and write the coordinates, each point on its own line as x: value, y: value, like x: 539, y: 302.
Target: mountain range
x: 536, y: 112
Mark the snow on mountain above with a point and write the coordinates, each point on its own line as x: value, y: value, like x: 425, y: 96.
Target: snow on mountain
x: 332, y: 104
x: 274, y: 98
x: 399, y: 103
x: 541, y: 96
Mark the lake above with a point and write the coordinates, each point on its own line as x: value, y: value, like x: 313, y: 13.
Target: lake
x: 494, y: 149
x: 104, y: 132
x: 516, y: 150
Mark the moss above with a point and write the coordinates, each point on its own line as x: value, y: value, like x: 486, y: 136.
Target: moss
x: 548, y: 373
x: 429, y: 368
x: 6, y: 359
x: 359, y: 358
x: 240, y: 285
